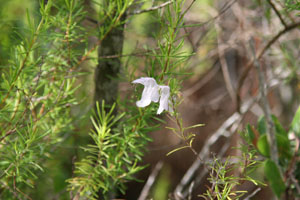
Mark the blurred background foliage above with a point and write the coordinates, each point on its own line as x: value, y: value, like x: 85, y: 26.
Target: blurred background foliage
x: 13, y: 23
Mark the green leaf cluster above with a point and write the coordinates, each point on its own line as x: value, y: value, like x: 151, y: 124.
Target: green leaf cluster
x: 36, y: 93
x: 223, y: 183
x: 111, y: 161
x: 276, y: 173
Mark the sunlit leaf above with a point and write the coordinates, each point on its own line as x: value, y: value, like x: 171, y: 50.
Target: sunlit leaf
x: 184, y: 147
x: 295, y: 126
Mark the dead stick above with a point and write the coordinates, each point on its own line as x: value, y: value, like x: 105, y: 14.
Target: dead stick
x: 258, y: 57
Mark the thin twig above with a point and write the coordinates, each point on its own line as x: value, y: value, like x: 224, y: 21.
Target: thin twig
x: 253, y: 193
x: 25, y: 195
x: 224, y: 9
x: 191, y: 190
x: 258, y: 56
x: 266, y: 107
x: 203, y: 80
x: 224, y: 67
x: 151, y: 9
x: 291, y: 169
x: 150, y: 181
x: 277, y: 13
x: 141, y: 53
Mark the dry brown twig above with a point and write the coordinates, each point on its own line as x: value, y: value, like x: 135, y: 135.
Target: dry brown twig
x: 277, y: 13
x: 150, y: 181
x: 253, y: 193
x: 151, y: 9
x: 224, y: 66
x: 266, y: 107
x: 258, y: 56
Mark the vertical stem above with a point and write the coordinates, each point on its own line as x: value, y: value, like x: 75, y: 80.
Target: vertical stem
x: 266, y: 109
x: 107, y: 71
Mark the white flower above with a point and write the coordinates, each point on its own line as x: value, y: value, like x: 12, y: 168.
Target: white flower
x: 150, y: 92
x: 154, y: 92
x: 164, y: 99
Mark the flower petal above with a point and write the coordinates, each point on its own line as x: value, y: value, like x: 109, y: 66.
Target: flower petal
x: 145, y: 81
x: 164, y: 99
x: 150, y: 92
x: 146, y: 97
